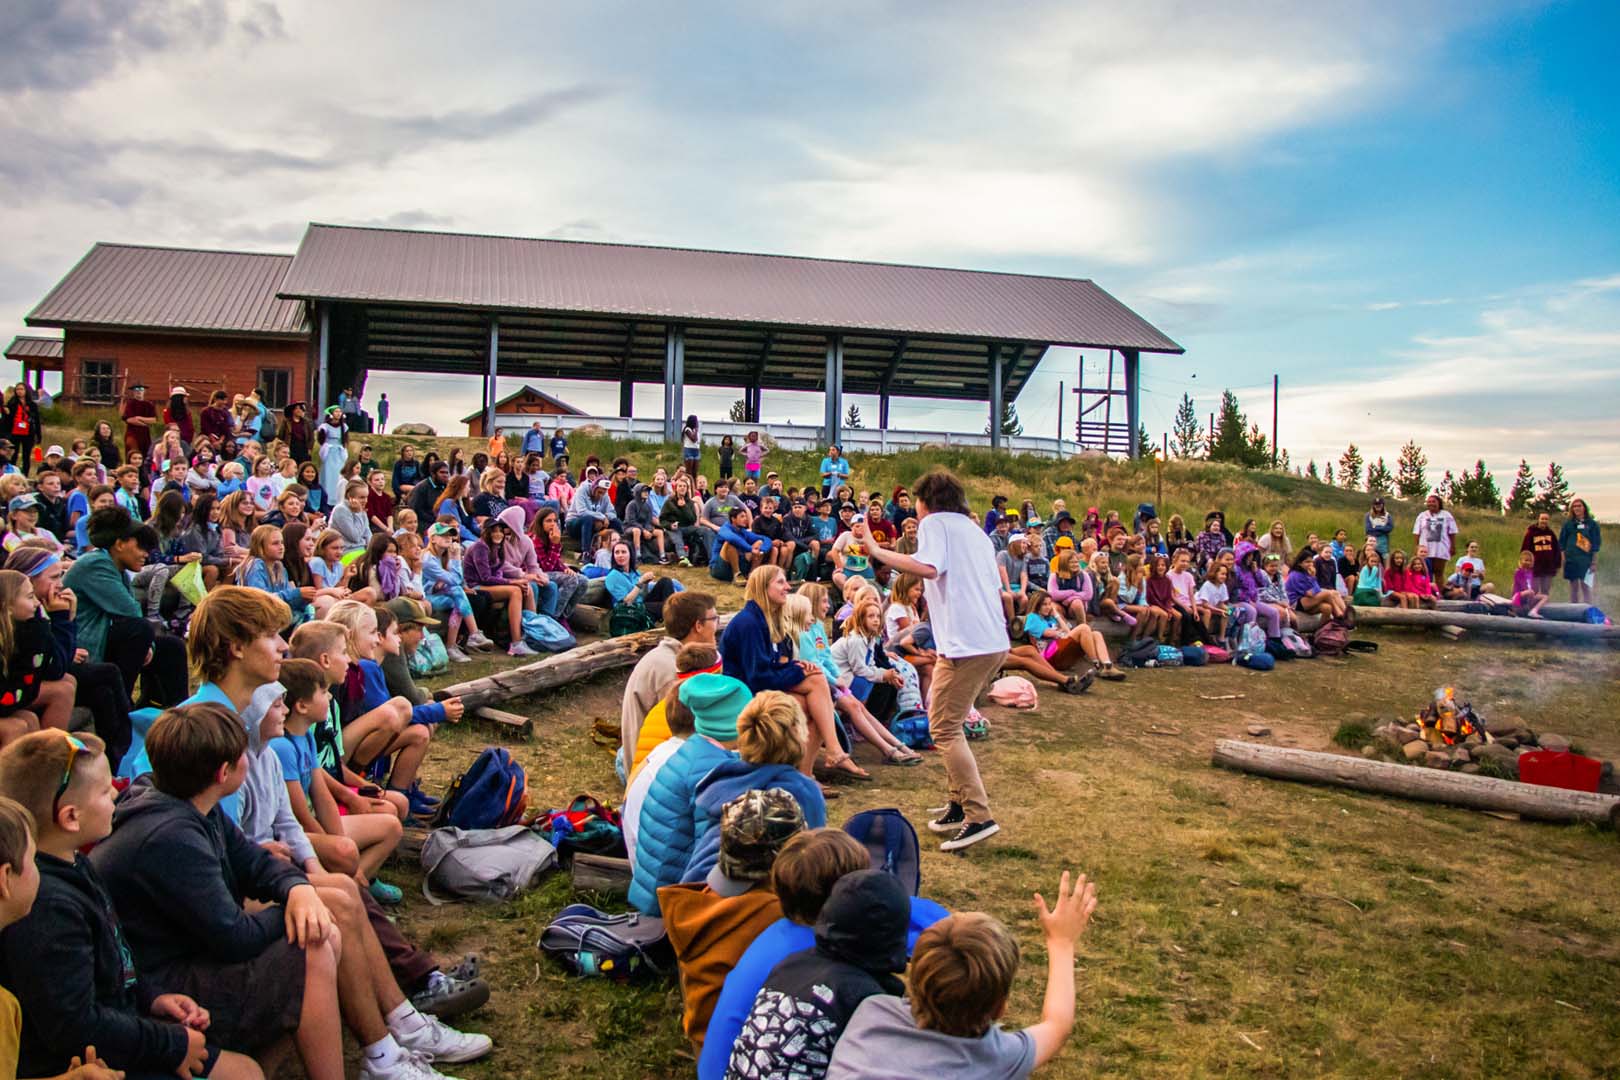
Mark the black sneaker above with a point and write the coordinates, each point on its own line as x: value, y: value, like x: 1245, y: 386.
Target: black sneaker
x: 971, y: 834
x: 950, y: 821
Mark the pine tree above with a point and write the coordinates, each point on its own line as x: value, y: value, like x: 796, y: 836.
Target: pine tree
x: 1231, y: 439
x: 1379, y: 481
x: 1553, y: 496
x: 1010, y: 424
x: 1145, y: 446
x: 739, y: 412
x: 1310, y: 471
x: 1350, y: 468
x: 1409, y: 478
x: 1447, y: 488
x: 852, y: 416
x: 1258, y: 454
x: 1186, y: 433
x: 1327, y: 474
x: 1477, y: 489
x: 1523, y: 495
x: 1282, y: 460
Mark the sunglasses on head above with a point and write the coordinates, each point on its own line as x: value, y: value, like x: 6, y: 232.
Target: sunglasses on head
x: 75, y: 748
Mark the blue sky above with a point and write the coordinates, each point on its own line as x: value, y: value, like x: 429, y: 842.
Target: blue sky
x: 1407, y: 211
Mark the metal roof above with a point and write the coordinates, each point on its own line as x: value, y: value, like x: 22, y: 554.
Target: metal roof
x: 182, y: 289
x: 42, y: 352
x: 564, y: 277
x: 567, y: 409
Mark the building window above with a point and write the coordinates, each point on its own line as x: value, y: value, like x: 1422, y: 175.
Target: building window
x: 276, y: 384
x: 97, y: 382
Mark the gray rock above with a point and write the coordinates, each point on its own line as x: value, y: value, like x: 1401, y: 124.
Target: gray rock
x: 1436, y: 759
x: 1415, y: 750
x: 1549, y: 741
x: 1471, y: 768
x: 1369, y: 751
x: 1404, y: 734
x: 1509, y: 741
x: 414, y: 429
x: 1259, y: 730
x: 1461, y: 754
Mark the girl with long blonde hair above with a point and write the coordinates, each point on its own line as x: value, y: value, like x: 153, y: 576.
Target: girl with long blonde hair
x: 803, y: 613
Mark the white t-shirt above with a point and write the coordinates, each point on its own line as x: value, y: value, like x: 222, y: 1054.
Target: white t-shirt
x: 964, y: 600
x: 1435, y: 531
x: 1212, y: 594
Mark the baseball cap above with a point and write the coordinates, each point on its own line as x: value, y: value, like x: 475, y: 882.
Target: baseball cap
x: 26, y: 501
x: 54, y: 451
x: 443, y: 528
x: 1063, y: 542
x: 753, y: 828
x: 408, y: 612
x: 715, y: 701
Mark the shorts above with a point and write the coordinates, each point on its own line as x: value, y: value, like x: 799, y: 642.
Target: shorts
x: 251, y: 1004
x: 1051, y: 648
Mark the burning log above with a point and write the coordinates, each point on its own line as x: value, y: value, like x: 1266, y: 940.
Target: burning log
x: 1488, y: 624
x: 1427, y: 785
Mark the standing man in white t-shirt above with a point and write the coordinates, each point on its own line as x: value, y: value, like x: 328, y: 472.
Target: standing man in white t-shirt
x: 958, y: 568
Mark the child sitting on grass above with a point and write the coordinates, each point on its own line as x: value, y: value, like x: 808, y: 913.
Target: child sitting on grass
x: 961, y: 975
x: 808, y: 999
x: 354, y: 843
x: 46, y: 935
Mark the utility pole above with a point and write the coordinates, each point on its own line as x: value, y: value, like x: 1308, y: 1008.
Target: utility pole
x: 1274, y: 422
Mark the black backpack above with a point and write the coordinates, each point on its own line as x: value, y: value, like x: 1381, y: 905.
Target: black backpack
x: 594, y: 944
x: 1138, y: 653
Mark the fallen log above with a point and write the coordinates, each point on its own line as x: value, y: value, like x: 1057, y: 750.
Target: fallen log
x: 521, y: 726
x: 1412, y: 782
x: 557, y: 669
x: 601, y: 873
x: 1485, y: 624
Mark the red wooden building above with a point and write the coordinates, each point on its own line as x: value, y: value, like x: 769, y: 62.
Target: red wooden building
x: 205, y: 320
x: 526, y: 403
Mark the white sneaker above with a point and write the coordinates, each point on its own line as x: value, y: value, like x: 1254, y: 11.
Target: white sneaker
x: 457, y: 655
x: 410, y: 1065
x: 520, y: 649
x: 479, y: 641
x: 439, y: 1041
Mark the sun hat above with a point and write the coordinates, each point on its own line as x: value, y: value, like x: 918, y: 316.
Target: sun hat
x: 408, y: 612
x: 716, y: 701
x: 178, y: 391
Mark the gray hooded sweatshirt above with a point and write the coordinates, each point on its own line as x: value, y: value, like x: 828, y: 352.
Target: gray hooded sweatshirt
x: 266, y: 812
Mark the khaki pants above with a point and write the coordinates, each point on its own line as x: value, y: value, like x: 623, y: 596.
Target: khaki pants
x: 957, y: 684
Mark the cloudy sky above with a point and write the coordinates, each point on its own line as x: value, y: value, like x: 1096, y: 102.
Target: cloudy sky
x: 1408, y: 211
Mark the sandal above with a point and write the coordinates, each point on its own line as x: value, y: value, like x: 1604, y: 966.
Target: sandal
x: 843, y: 767
x: 900, y: 755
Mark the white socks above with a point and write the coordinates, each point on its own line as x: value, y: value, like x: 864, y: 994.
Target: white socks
x: 405, y: 1020
x: 384, y: 1053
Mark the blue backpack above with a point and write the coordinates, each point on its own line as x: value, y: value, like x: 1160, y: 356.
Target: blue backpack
x: 542, y: 632
x: 1194, y: 656
x: 892, y: 844
x: 492, y: 794
x: 911, y: 728
x: 1258, y: 661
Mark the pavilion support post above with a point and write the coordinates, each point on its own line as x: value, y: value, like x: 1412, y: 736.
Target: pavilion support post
x: 674, y: 381
x: 835, y: 390
x: 490, y: 379
x: 323, y: 359
x: 1133, y: 398
x: 883, y: 411
x: 995, y: 396
x: 627, y: 397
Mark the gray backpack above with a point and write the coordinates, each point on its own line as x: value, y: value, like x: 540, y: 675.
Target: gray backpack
x: 484, y: 865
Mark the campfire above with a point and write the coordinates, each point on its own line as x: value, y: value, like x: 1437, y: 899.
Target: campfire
x: 1445, y: 722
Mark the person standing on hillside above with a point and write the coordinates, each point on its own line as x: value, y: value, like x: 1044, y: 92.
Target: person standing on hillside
x: 957, y: 566
x: 1436, y: 529
x: 22, y: 424
x: 139, y: 416
x: 382, y: 414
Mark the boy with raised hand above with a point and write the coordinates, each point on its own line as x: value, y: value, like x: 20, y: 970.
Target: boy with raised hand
x: 961, y: 975
x: 19, y: 885
x: 67, y: 961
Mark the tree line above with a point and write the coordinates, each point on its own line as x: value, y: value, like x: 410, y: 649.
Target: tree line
x: 1237, y: 441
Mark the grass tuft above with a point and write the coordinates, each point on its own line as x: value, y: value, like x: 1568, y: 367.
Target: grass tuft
x: 1353, y: 734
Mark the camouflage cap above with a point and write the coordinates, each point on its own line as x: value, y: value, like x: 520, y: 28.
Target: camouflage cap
x: 753, y: 828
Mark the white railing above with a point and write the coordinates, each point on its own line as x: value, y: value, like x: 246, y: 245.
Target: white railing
x: 793, y: 436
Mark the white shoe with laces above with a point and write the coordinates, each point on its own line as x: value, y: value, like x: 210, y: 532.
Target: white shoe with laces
x: 457, y: 655
x: 410, y: 1065
x: 480, y: 642
x: 440, y: 1042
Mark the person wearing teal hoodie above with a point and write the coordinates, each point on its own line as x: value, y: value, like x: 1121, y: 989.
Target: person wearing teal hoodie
x: 770, y: 742
x: 665, y: 830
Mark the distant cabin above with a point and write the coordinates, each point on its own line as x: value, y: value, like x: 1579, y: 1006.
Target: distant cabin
x: 511, y: 411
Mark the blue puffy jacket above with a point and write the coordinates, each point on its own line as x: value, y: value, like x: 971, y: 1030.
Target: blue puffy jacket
x: 730, y: 779
x: 664, y: 833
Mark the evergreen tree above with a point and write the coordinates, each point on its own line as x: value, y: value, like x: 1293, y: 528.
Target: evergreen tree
x: 1523, y: 495
x: 1258, y: 454
x: 1350, y: 468
x: 1282, y: 460
x: 1145, y: 446
x: 1553, y: 496
x: 1379, y: 481
x: 1010, y: 424
x: 1231, y: 437
x: 1409, y: 478
x: 739, y: 412
x: 1447, y: 487
x: 1477, y: 489
x: 1327, y: 474
x: 1186, y: 433
x: 1310, y: 471
x: 852, y: 416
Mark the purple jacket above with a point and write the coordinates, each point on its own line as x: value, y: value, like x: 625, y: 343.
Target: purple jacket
x: 1247, y: 583
x: 519, y: 553
x: 479, y: 566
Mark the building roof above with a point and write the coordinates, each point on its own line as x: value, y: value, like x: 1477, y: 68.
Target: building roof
x: 36, y: 351
x: 129, y: 286
x: 567, y: 409
x: 499, y: 273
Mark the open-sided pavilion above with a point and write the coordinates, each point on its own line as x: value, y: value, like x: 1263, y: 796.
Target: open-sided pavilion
x: 390, y: 299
